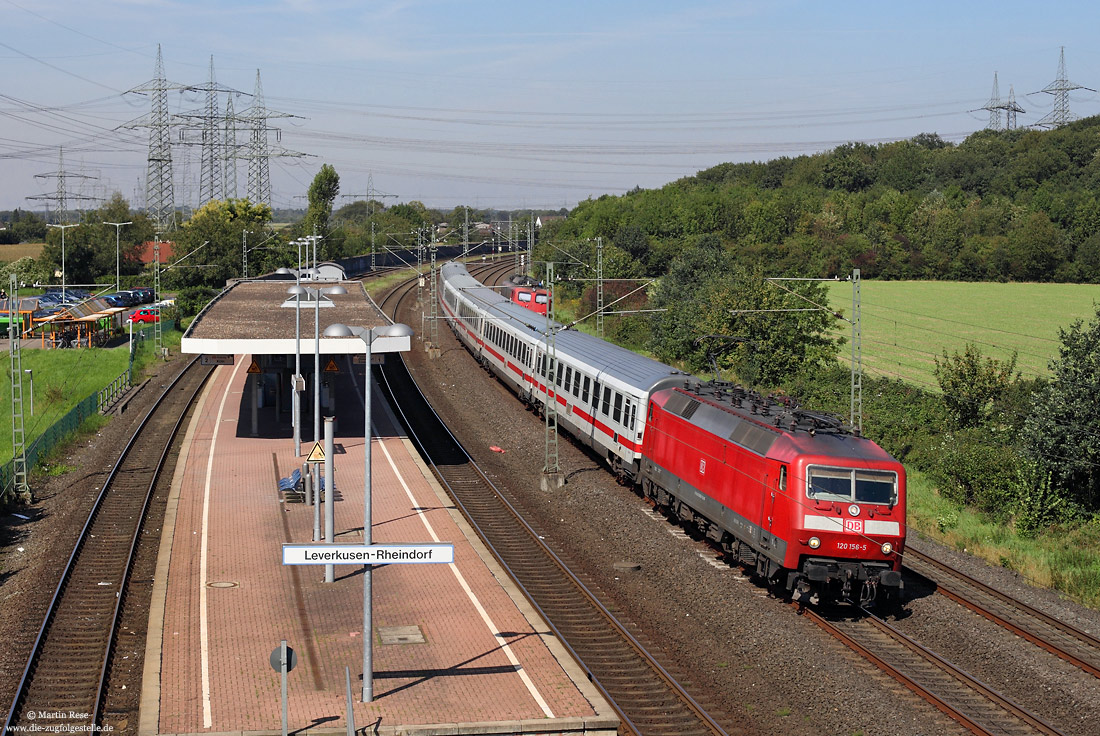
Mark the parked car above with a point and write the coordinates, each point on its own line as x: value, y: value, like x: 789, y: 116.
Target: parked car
x: 144, y: 315
x: 115, y: 300
x: 146, y: 293
x: 131, y: 298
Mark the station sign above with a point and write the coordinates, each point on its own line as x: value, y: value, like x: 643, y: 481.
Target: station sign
x: 217, y: 359
x: 374, y: 554
x: 375, y: 358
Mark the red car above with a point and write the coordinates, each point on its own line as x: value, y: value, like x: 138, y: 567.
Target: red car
x: 144, y: 315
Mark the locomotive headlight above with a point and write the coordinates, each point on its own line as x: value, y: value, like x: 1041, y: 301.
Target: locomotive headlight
x: 887, y: 548
x: 814, y: 542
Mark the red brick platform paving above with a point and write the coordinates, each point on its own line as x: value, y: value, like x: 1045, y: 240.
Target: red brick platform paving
x: 460, y: 675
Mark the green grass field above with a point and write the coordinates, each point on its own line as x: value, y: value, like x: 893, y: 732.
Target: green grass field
x: 62, y: 378
x: 906, y: 324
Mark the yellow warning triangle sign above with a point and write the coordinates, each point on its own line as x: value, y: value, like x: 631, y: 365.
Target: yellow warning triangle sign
x: 331, y: 367
x: 254, y: 368
x: 317, y: 454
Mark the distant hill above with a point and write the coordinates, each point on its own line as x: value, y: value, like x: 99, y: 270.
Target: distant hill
x: 1018, y: 205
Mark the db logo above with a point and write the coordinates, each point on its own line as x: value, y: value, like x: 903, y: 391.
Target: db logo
x: 853, y: 525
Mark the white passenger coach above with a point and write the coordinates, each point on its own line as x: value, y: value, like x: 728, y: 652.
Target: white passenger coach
x: 600, y: 388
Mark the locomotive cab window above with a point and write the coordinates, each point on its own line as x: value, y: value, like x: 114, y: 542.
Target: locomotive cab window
x: 541, y: 298
x: 524, y: 296
x: 844, y: 484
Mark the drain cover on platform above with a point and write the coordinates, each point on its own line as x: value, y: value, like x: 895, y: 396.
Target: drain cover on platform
x: 401, y: 635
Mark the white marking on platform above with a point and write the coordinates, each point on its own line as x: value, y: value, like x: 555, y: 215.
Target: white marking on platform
x: 505, y: 647
x: 204, y: 628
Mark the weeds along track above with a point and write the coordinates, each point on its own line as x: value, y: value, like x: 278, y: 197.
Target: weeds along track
x: 67, y: 669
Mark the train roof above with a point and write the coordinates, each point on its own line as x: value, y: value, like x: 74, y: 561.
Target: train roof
x: 603, y: 357
x: 778, y: 429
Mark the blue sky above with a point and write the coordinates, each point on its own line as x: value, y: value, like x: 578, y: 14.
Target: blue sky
x: 517, y: 104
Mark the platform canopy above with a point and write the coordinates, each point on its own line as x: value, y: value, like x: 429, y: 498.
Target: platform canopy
x: 257, y: 317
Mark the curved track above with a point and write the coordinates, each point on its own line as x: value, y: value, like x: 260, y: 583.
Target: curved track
x: 1057, y: 637
x: 647, y: 698
x: 67, y: 670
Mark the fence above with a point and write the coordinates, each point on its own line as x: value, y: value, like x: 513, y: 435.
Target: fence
x: 66, y: 425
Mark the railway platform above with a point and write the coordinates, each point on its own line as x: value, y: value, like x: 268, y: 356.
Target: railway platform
x: 457, y: 649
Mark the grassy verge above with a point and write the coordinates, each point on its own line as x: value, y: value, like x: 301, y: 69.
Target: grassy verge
x: 62, y: 378
x: 1065, y: 559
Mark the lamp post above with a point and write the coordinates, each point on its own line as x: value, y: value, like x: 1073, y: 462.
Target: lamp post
x: 118, y: 260
x: 296, y: 397
x: 316, y: 294
x: 367, y: 336
x: 62, y: 229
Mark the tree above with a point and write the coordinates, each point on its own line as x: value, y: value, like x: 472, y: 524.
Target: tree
x: 706, y: 294
x: 1062, y: 431
x: 220, y: 225
x: 972, y: 386
x: 322, y: 193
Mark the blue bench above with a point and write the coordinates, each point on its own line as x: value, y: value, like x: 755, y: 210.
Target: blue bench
x: 291, y: 487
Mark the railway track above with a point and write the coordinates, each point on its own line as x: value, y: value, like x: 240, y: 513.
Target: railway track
x: 67, y: 670
x: 960, y: 696
x: 647, y: 698
x: 1057, y: 637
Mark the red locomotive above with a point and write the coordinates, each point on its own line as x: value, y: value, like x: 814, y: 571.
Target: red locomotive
x: 532, y: 297
x: 790, y: 493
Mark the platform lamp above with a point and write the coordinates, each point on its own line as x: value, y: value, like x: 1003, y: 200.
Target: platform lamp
x: 367, y: 336
x: 296, y: 399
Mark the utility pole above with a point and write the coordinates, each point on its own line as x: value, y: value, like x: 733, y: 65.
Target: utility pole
x: 855, y: 417
x: 159, y: 200
x: 157, y: 338
x: 994, y: 106
x: 552, y: 477
x: 63, y: 228
x: 433, y: 296
x: 244, y: 253
x: 1060, y: 89
x: 599, y: 287
x: 18, y: 434
x: 62, y: 195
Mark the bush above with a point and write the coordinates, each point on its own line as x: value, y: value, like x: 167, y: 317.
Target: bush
x: 1040, y: 504
x: 979, y: 470
x: 192, y: 299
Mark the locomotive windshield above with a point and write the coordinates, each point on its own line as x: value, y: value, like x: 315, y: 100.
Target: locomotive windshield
x: 849, y: 484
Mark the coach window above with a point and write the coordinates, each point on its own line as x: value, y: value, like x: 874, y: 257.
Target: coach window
x: 584, y: 393
x: 618, y: 417
x: 558, y: 379
x: 577, y: 384
x: 607, y: 401
x: 568, y: 378
x: 633, y: 416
